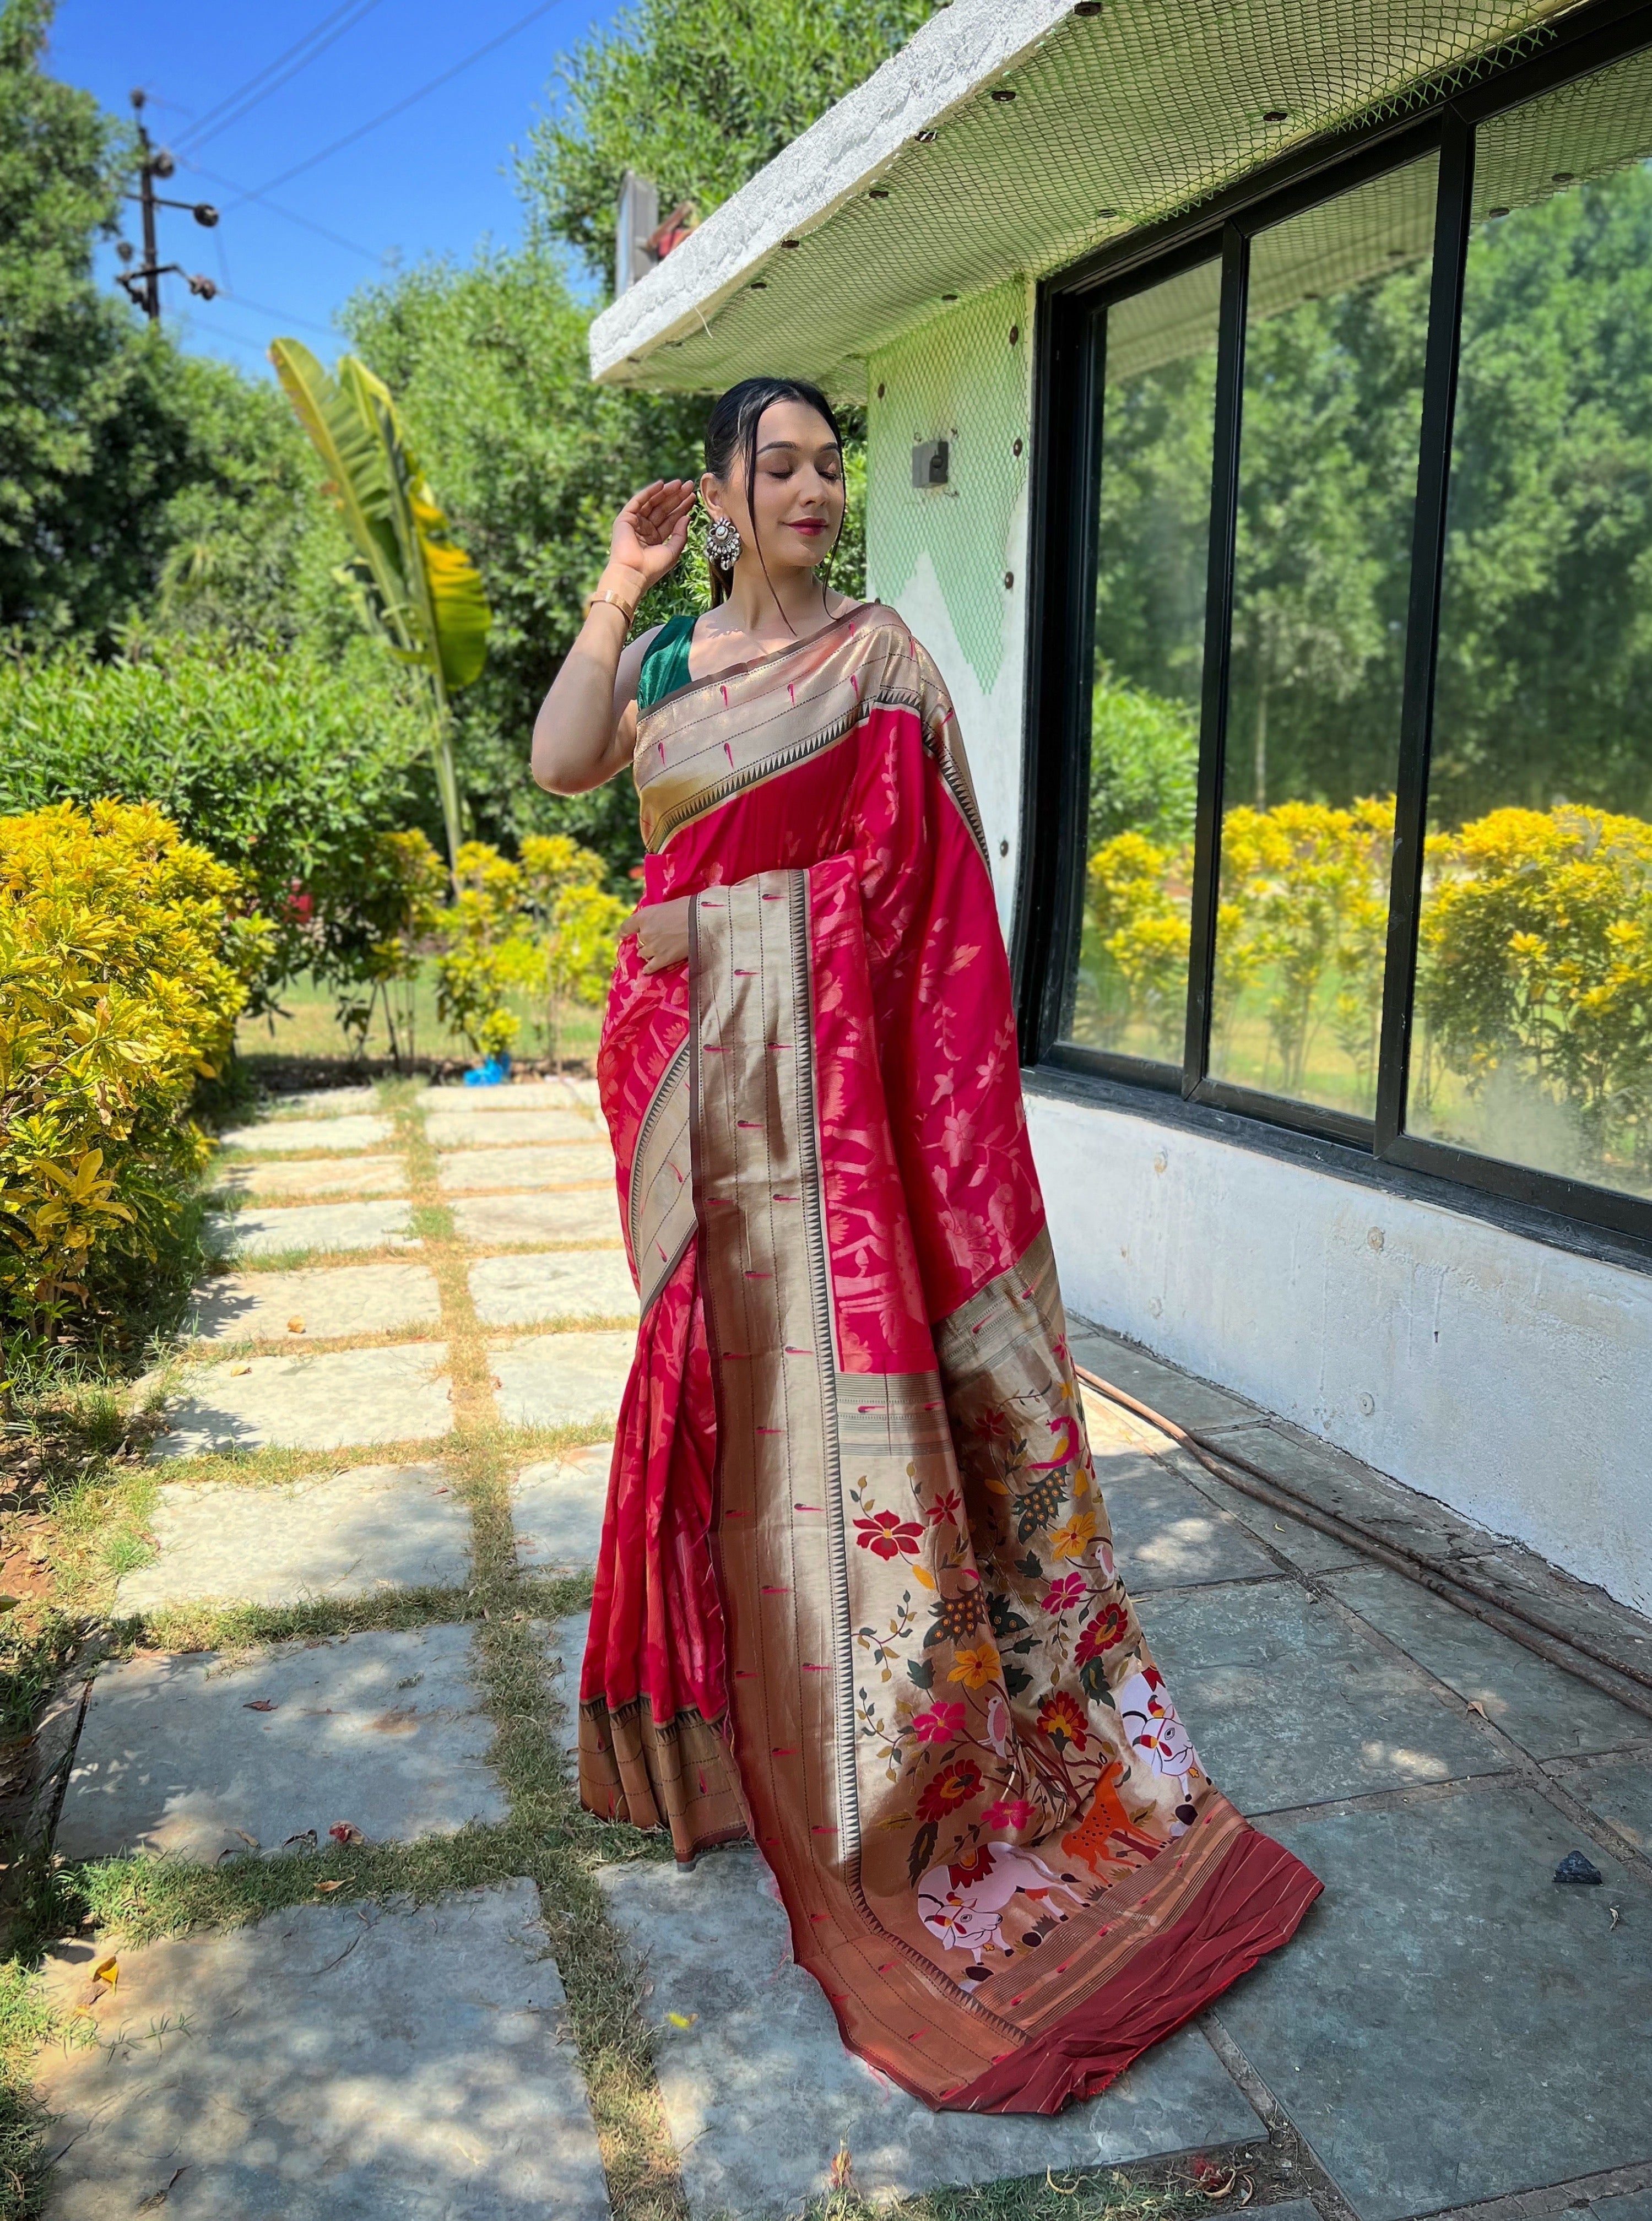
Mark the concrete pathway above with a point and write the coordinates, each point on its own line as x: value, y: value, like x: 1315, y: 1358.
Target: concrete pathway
x: 1450, y: 2032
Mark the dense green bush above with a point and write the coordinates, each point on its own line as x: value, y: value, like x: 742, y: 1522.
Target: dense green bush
x: 288, y: 769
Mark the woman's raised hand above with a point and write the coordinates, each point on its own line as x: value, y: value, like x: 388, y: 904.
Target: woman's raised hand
x: 651, y: 531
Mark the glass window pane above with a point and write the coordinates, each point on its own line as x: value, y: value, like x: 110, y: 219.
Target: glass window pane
x: 1534, y: 1034
x: 1336, y: 336
x: 1130, y: 992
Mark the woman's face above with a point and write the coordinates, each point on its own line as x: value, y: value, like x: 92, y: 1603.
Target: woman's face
x: 797, y: 493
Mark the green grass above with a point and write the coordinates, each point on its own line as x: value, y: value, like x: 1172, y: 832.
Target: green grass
x: 306, y: 1030
x: 1077, y: 2195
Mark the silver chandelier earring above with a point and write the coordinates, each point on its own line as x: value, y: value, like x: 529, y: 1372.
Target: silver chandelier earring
x: 722, y: 544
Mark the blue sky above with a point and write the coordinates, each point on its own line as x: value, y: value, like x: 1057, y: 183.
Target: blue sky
x: 433, y: 180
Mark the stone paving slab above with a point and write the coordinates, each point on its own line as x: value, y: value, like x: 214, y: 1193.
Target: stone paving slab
x: 329, y: 1401
x: 1549, y: 1712
x: 466, y: 1129
x: 311, y: 1176
x: 1637, y: 2206
x: 340, y: 1534
x: 342, y: 2063
x: 334, y: 1300
x: 1338, y: 1483
x: 320, y: 1226
x: 576, y: 1214
x: 760, y: 2091
x: 1111, y: 1430
x: 1288, y: 1704
x: 1621, y: 1794
x: 321, y: 1103
x: 383, y: 1731
x: 1447, y: 2025
x: 571, y: 1284
x: 557, y: 1510
x: 296, y: 1135
x: 561, y: 1379
x: 1191, y: 1403
x: 567, y: 1653
x: 1165, y: 1534
x: 1306, y: 1547
x: 557, y: 1165
x: 559, y: 1094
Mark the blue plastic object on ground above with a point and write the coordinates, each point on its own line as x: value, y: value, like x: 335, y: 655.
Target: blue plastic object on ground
x: 493, y: 1074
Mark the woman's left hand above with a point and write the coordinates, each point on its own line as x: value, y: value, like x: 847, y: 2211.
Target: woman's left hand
x: 661, y: 930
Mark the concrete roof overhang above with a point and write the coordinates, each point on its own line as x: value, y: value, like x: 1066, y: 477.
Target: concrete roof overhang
x: 1012, y: 137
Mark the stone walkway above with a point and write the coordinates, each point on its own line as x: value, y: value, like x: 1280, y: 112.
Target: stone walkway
x: 428, y: 1300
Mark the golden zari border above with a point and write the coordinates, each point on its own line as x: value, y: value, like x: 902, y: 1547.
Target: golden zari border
x: 721, y: 737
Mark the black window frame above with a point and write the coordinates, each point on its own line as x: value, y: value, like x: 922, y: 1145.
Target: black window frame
x: 1065, y: 491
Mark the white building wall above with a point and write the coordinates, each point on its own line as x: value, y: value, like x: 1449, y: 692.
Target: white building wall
x: 1508, y: 1379
x: 952, y: 560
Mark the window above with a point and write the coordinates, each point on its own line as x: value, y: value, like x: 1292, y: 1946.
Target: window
x: 1534, y: 961
x: 1129, y: 989
x: 1335, y: 333
x: 1350, y: 826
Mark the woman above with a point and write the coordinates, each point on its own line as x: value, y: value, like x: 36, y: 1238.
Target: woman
x: 855, y: 1595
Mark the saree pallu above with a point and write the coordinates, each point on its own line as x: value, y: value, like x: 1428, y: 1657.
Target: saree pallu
x: 856, y: 1595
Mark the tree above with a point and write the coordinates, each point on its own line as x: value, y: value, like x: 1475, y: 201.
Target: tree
x: 86, y: 443
x: 251, y: 550
x: 697, y: 95
x: 125, y: 466
x: 531, y: 462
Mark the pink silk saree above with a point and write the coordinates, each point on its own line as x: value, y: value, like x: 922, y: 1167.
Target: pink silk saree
x: 856, y: 1597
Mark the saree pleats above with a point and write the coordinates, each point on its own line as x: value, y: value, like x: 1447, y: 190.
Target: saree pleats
x: 857, y: 1592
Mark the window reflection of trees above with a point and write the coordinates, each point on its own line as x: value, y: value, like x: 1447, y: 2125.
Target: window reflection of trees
x: 1535, y: 968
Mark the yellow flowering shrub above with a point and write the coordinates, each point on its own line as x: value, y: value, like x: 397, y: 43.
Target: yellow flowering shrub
x: 1138, y: 952
x: 485, y: 953
x: 543, y: 926
x: 1302, y: 915
x: 1535, y: 953
x: 124, y: 964
x: 575, y: 920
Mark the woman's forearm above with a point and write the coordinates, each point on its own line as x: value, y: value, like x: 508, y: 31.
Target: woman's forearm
x: 574, y: 736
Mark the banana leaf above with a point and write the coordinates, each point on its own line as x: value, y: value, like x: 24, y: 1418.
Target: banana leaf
x: 411, y: 581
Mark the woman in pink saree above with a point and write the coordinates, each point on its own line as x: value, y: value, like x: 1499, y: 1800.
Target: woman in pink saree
x: 856, y: 1597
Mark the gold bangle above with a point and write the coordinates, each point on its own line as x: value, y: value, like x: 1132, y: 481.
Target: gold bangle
x: 627, y: 609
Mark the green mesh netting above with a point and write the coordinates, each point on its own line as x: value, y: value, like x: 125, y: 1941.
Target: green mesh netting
x: 958, y: 379
x: 1119, y: 119
x: 1601, y: 123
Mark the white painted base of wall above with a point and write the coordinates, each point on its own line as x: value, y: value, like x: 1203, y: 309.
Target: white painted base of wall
x: 1508, y: 1379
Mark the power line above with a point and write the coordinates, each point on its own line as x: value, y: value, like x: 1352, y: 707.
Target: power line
x: 280, y: 315
x: 362, y: 129
x: 273, y: 75
x: 290, y: 215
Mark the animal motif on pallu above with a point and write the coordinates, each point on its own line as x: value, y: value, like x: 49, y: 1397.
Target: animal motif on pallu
x: 964, y: 1906
x: 1007, y: 1691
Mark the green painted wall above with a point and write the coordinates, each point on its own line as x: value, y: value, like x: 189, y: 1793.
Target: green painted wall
x: 959, y: 378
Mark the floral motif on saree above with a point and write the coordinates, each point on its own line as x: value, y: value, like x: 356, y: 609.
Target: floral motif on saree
x: 857, y: 1593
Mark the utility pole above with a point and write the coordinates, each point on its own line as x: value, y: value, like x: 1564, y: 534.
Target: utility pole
x: 143, y: 284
